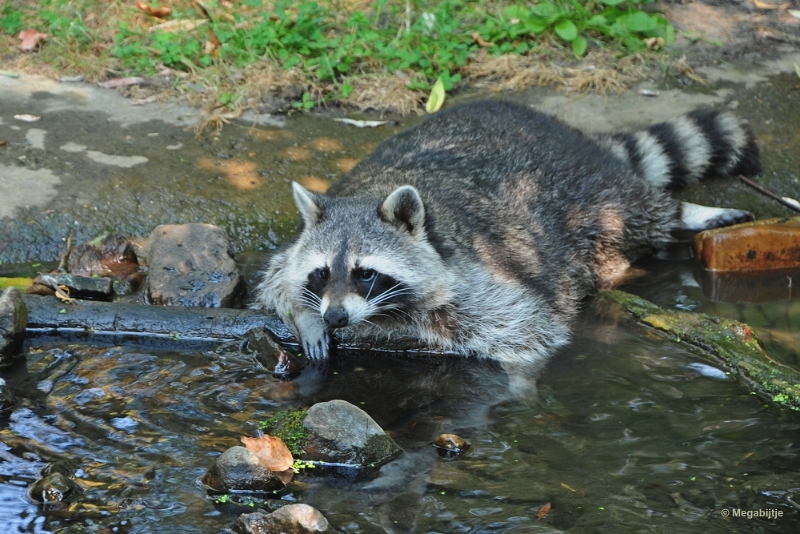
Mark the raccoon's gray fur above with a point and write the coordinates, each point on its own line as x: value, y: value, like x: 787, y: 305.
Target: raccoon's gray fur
x: 480, y: 230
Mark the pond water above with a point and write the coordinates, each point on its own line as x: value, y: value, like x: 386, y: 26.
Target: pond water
x: 622, y: 431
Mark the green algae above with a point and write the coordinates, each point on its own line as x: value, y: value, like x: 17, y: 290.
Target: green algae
x: 288, y: 426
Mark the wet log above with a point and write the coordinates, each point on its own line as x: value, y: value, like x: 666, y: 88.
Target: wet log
x: 48, y: 315
x: 124, y: 322
x: 728, y: 342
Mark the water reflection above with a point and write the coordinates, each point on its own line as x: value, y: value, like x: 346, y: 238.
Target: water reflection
x: 627, y: 432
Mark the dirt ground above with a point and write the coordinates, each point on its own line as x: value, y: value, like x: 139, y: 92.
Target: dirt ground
x: 96, y: 162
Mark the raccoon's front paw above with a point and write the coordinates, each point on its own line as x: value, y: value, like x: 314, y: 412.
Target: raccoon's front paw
x: 313, y: 337
x: 316, y: 349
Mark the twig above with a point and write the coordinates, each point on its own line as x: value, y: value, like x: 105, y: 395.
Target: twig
x: 768, y: 193
x: 62, y: 265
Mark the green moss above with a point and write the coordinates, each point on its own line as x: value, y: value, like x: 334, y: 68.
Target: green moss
x: 289, y: 427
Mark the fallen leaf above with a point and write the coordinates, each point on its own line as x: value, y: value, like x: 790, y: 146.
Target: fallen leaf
x: 121, y: 82
x: 27, y: 118
x: 362, y: 124
x: 476, y: 38
x: 436, y: 98
x: 158, y: 12
x: 31, y: 39
x: 271, y: 451
x: 543, y: 511
x: 567, y: 486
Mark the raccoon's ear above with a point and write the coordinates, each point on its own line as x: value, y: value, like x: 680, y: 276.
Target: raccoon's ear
x: 308, y: 204
x: 404, y: 208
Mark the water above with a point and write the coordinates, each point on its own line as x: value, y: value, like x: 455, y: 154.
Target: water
x: 624, y: 431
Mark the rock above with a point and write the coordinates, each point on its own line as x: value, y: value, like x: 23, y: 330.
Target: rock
x: 114, y: 256
x: 54, y: 488
x: 6, y: 398
x: 79, y: 286
x: 238, y: 469
x: 289, y: 519
x: 450, y: 445
x: 13, y: 320
x: 345, y: 434
x: 193, y: 265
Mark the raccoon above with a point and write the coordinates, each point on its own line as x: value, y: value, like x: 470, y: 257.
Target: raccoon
x: 480, y: 230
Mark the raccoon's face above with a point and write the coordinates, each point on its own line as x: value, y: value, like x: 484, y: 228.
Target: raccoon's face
x: 366, y: 260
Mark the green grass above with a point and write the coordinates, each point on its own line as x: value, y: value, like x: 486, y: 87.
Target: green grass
x: 328, y: 42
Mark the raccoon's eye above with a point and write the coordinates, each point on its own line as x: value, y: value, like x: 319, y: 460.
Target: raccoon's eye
x: 366, y: 275
x: 323, y: 273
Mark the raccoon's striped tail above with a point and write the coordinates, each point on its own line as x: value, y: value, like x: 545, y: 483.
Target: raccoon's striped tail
x: 688, y: 148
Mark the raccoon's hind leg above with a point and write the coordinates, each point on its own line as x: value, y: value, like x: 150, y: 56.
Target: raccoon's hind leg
x: 696, y: 218
x: 686, y: 149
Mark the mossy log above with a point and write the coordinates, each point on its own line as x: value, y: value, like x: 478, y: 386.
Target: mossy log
x: 730, y: 341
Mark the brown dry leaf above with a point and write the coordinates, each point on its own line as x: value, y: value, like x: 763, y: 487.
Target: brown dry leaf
x: 31, y: 39
x: 158, y: 12
x: 543, y: 511
x: 271, y: 451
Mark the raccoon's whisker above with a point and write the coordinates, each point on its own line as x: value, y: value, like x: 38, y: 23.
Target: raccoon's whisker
x: 313, y: 304
x: 389, y: 293
x: 370, y: 288
x: 308, y: 293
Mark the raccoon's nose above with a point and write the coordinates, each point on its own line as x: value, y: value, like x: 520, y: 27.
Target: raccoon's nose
x: 336, y: 317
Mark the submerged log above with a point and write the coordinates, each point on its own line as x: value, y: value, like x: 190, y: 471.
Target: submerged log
x: 731, y: 342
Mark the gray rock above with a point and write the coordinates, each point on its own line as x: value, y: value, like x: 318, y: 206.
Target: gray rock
x: 79, y: 286
x: 238, y: 469
x: 343, y: 433
x: 193, y: 265
x: 13, y: 320
x: 289, y: 519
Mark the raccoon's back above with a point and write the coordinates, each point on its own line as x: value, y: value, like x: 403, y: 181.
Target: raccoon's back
x: 479, y: 145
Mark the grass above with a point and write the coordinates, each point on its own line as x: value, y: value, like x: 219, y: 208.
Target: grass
x: 386, y: 54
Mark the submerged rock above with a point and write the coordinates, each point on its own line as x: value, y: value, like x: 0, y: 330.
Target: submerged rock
x: 239, y: 469
x: 450, y: 445
x: 54, y: 488
x: 289, y: 519
x: 13, y: 320
x: 342, y: 433
x: 193, y: 265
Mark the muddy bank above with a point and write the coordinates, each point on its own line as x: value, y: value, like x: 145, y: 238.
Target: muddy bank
x: 92, y: 165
